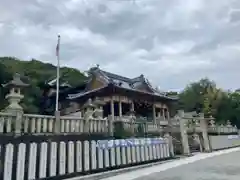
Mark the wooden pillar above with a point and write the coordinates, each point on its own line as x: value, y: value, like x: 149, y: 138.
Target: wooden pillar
x: 154, y: 114
x: 112, y: 108
x: 132, y: 106
x: 120, y: 107
x: 168, y: 114
x: 111, y: 119
x: 163, y: 113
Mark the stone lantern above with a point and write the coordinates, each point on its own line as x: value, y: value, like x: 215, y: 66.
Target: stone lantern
x: 229, y: 124
x: 98, y: 112
x: 89, y: 109
x: 132, y: 115
x: 88, y: 114
x: 14, y: 96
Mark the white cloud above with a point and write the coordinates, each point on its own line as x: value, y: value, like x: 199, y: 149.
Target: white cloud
x: 171, y: 42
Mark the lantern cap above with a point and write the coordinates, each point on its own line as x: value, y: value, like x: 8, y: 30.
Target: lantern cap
x: 16, y: 82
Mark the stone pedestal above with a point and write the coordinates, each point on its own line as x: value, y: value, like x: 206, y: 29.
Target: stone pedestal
x: 15, y: 109
x: 88, y: 114
x: 170, y: 143
x: 184, y: 135
x: 197, y: 139
x: 98, y: 108
x: 204, y: 129
x: 92, y: 110
x: 14, y: 100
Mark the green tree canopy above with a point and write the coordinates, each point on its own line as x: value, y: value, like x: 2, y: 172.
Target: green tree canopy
x: 35, y: 73
x: 201, y: 96
x: 204, y: 96
x: 230, y: 109
x: 4, y: 77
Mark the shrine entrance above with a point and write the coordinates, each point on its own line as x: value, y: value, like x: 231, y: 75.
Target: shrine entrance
x: 195, y: 142
x: 143, y: 110
x: 177, y: 143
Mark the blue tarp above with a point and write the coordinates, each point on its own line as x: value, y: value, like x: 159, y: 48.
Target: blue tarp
x: 106, y: 144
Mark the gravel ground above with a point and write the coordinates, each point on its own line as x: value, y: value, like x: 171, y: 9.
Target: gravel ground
x: 223, y: 167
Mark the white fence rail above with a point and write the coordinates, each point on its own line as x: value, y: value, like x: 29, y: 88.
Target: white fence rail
x: 7, y: 122
x: 38, y: 159
x: 31, y: 123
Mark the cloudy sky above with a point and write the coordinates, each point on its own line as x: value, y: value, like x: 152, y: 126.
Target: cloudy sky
x: 172, y: 42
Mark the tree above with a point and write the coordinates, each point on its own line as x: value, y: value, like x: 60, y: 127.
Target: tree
x: 4, y: 77
x: 206, y: 106
x: 34, y: 72
x: 202, y: 96
x: 230, y: 109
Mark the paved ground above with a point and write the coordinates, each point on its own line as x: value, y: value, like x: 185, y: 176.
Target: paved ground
x: 224, y: 167
x: 219, y: 167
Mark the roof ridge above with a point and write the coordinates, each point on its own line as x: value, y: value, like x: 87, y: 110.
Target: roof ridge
x: 138, y: 78
x: 149, y: 84
x: 116, y: 75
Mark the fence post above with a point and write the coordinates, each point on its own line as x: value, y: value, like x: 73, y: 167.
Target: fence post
x: 184, y: 134
x: 14, y: 97
x: 204, y: 129
x: 170, y: 143
x: 57, y: 122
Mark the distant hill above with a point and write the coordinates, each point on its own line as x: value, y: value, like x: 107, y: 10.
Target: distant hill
x: 35, y: 73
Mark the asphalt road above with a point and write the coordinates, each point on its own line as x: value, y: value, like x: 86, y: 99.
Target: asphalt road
x: 223, y: 167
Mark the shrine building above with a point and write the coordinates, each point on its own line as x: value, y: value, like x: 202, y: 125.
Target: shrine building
x: 121, y: 96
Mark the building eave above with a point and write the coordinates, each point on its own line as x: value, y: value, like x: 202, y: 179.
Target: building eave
x: 160, y: 97
x: 81, y: 94
x: 113, y: 89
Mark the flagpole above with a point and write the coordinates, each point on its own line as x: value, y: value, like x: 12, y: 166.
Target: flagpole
x: 57, y: 112
x: 58, y: 73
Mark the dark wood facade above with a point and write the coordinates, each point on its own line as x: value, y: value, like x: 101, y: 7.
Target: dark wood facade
x: 136, y: 93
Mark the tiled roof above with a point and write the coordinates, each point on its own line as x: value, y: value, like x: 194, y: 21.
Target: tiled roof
x: 133, y: 84
x: 116, y: 77
x: 128, y: 83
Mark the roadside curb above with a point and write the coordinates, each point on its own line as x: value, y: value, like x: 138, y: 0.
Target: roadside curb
x: 107, y: 174
x: 141, y: 173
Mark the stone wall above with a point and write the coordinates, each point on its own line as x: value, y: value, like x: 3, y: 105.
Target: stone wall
x: 224, y: 141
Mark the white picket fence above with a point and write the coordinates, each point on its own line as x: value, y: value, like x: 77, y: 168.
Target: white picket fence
x: 36, y: 160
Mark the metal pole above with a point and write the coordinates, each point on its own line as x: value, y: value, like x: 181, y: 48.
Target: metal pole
x: 58, y: 74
